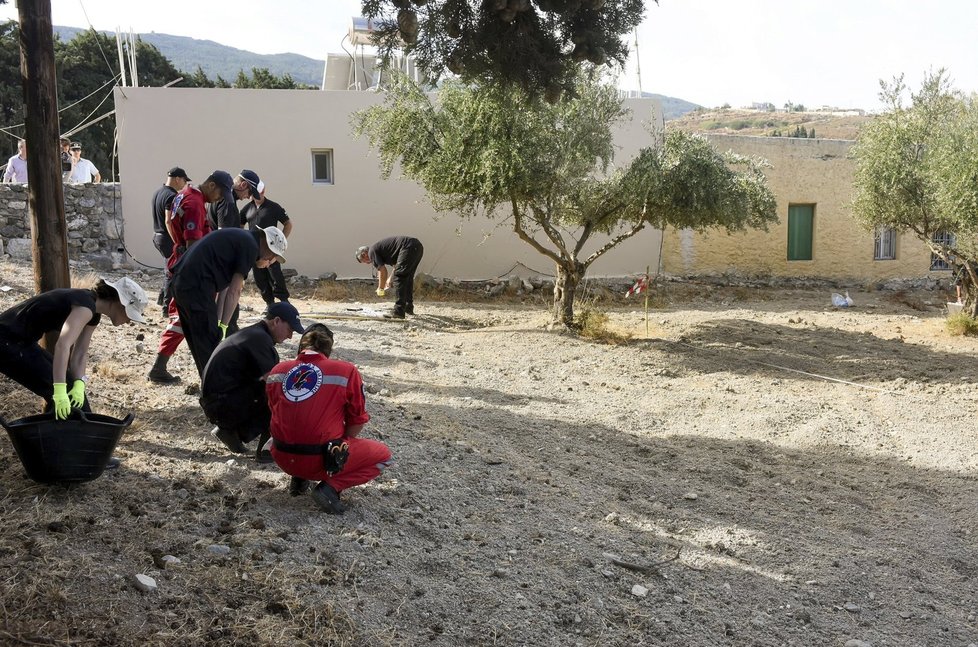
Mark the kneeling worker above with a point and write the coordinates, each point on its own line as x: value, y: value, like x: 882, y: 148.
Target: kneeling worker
x: 233, y: 388
x: 318, y: 413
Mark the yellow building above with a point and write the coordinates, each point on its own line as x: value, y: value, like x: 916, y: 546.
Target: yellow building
x: 816, y: 235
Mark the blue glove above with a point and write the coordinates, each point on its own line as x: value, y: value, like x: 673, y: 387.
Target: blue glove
x: 62, y: 406
x: 77, y: 394
x: 224, y: 330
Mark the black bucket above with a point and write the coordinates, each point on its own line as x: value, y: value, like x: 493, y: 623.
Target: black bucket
x: 65, y: 451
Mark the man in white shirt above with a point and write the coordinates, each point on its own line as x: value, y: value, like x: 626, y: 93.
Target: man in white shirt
x: 82, y: 170
x: 17, y: 165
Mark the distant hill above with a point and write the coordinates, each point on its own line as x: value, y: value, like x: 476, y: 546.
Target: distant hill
x: 752, y: 122
x: 216, y: 59
x: 672, y: 108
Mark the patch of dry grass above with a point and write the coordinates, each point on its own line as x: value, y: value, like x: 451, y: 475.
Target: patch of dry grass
x: 592, y: 323
x: 962, y: 324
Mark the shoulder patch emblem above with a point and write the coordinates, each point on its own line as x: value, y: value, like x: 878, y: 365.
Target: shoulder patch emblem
x: 302, y: 382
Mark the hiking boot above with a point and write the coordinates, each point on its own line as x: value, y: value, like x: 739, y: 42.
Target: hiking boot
x: 264, y: 457
x: 396, y: 313
x: 327, y: 498
x: 230, y: 440
x: 163, y: 376
x: 298, y: 486
x: 409, y: 309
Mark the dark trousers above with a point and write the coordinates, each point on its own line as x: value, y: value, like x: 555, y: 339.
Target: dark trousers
x: 271, y: 283
x: 198, y: 318
x: 244, y: 411
x: 32, y: 367
x: 164, y: 245
x: 408, y: 260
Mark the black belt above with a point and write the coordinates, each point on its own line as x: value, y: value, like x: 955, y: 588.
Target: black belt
x: 305, y: 450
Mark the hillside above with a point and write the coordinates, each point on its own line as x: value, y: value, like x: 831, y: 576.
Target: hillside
x: 751, y: 122
x: 216, y: 59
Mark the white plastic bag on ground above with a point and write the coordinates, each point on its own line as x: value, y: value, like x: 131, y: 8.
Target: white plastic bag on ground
x: 841, y: 301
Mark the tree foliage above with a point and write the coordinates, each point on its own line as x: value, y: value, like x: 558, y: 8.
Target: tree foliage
x: 536, y: 45
x: 547, y: 168
x: 917, y: 168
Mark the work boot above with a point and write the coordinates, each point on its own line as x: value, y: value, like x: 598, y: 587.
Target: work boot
x: 159, y: 374
x: 327, y: 498
x: 230, y: 440
x: 409, y: 309
x: 395, y: 313
x: 298, y: 486
x: 262, y: 455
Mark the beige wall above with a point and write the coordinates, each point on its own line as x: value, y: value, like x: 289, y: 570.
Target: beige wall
x: 803, y: 171
x: 273, y: 132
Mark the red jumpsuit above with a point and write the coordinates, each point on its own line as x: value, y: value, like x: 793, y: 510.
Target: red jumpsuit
x: 189, y: 222
x: 313, y: 400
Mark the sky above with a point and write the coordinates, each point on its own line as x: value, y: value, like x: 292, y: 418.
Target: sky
x: 709, y: 52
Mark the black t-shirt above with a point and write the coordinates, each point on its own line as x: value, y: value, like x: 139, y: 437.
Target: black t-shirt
x: 241, y: 359
x: 47, y: 312
x: 209, y: 264
x: 385, y: 252
x: 162, y: 201
x: 269, y: 214
x: 223, y: 214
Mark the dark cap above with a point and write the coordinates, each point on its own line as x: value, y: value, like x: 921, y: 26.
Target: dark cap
x: 255, y: 185
x: 75, y: 146
x: 221, y: 179
x: 176, y: 171
x: 287, y: 313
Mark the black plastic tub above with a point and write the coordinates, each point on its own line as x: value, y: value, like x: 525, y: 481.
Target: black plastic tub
x: 65, y: 451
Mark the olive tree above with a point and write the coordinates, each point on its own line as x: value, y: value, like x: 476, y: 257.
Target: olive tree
x: 536, y: 44
x: 507, y: 154
x: 917, y: 171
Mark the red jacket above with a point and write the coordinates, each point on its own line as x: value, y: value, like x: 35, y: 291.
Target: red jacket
x: 314, y: 399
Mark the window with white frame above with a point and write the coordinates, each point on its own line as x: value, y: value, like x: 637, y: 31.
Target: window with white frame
x: 946, y: 239
x: 884, y: 244
x: 322, y: 166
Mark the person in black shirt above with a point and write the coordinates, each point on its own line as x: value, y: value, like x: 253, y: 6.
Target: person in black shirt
x: 217, y: 266
x: 404, y: 253
x: 261, y: 212
x: 232, y: 387
x: 176, y: 180
x: 73, y: 313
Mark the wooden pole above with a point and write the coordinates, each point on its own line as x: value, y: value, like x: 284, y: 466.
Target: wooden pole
x: 45, y: 193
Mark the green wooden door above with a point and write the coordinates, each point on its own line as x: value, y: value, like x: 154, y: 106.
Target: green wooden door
x: 801, y: 219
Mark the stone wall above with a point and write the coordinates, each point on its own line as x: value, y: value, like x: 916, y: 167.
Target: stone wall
x: 93, y: 213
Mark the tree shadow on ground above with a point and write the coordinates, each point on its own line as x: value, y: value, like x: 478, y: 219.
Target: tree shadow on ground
x: 744, y: 347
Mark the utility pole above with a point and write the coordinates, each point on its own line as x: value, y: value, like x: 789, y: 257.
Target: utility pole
x: 45, y: 193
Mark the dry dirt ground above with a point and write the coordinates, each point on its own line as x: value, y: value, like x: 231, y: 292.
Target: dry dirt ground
x: 703, y: 486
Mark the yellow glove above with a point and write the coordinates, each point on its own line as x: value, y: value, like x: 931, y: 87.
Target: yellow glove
x: 224, y: 330
x: 77, y: 394
x: 381, y: 292
x: 62, y: 406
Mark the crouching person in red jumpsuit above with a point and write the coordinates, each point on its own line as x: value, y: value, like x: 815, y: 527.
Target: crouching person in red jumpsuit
x: 318, y: 412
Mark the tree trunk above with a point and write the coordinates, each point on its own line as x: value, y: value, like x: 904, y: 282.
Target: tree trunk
x: 569, y: 276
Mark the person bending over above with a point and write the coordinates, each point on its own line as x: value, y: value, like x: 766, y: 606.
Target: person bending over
x: 318, y: 412
x: 73, y: 313
x: 233, y: 388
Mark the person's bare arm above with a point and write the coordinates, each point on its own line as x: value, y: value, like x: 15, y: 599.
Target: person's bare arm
x: 382, y: 278
x: 287, y: 228
x: 231, y: 295
x: 72, y: 329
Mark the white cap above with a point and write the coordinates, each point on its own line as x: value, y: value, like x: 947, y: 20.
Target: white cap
x: 131, y: 296
x: 276, y: 242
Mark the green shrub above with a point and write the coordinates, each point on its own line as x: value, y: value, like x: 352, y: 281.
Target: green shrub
x: 961, y: 324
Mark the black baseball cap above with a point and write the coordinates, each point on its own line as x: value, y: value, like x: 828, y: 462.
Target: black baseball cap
x: 221, y: 179
x: 255, y: 184
x: 287, y: 313
x: 176, y: 171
